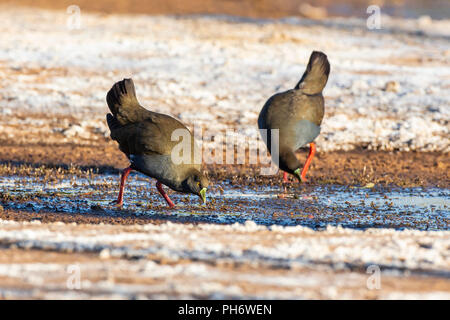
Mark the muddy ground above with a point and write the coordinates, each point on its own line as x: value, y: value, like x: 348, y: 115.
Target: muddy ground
x: 353, y: 167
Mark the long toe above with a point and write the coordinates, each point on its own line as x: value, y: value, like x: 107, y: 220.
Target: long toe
x: 115, y: 203
x: 286, y: 178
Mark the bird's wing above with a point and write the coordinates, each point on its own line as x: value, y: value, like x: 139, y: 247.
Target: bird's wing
x: 297, y: 116
x: 151, y: 136
x: 276, y: 110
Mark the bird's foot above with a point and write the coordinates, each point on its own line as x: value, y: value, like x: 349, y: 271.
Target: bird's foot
x: 117, y: 204
x: 286, y: 178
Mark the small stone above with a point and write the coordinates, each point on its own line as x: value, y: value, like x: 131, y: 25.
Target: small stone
x: 425, y: 21
x: 392, y: 86
x: 312, y: 12
x: 77, y: 131
x: 105, y: 254
x: 369, y: 185
x: 96, y: 207
x: 439, y: 164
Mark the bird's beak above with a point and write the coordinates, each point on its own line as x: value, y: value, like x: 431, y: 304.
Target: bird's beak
x: 298, y: 175
x: 203, y: 195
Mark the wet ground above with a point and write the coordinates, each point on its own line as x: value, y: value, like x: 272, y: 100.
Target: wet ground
x: 314, y: 206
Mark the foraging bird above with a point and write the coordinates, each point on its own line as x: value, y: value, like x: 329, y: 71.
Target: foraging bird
x: 297, y: 113
x: 146, y: 139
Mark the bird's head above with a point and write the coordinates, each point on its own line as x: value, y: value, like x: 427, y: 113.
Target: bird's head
x: 197, y: 183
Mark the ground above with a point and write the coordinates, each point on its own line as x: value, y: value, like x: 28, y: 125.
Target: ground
x: 378, y: 189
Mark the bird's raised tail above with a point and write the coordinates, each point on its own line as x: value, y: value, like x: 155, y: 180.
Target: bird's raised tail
x: 122, y: 102
x: 113, y: 124
x: 316, y: 74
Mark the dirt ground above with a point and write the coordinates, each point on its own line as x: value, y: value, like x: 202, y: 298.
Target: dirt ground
x: 355, y: 167
x: 104, y: 270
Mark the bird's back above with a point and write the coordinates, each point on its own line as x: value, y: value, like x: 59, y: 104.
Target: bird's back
x: 297, y: 117
x: 298, y: 113
x: 151, y: 135
x: 136, y: 129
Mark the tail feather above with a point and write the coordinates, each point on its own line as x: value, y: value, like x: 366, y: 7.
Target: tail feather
x: 122, y: 102
x: 316, y: 74
x: 113, y: 124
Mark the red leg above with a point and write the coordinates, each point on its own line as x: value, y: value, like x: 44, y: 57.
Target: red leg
x: 164, y: 194
x: 285, y: 178
x: 312, y: 152
x: 125, y: 174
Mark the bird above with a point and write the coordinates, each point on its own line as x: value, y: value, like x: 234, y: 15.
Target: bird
x: 146, y: 139
x: 297, y: 114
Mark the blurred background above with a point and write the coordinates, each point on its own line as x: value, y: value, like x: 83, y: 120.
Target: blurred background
x: 436, y: 9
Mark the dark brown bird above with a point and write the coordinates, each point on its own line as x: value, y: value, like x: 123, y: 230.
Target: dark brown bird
x: 297, y: 114
x: 146, y: 139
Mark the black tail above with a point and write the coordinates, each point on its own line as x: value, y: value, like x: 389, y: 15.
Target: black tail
x: 122, y: 101
x: 316, y: 74
x: 113, y: 124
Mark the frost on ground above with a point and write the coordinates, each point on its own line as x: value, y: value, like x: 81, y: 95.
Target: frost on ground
x: 220, y: 261
x: 388, y: 89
